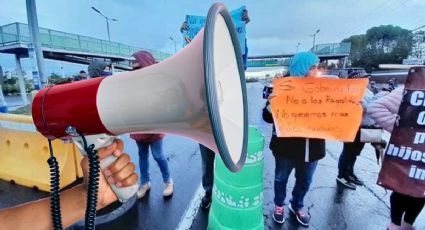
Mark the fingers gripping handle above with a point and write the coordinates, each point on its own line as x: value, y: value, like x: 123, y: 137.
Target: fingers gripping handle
x: 123, y: 193
x: 100, y: 141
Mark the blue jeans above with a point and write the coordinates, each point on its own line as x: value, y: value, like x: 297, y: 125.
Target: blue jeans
x: 207, y: 156
x: 156, y: 148
x: 303, y: 176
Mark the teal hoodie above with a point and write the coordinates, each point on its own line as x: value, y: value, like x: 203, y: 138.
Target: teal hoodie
x: 301, y: 63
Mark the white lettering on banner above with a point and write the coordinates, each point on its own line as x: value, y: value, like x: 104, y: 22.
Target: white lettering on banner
x: 406, y: 153
x: 18, y: 126
x: 417, y: 98
x: 417, y: 173
x: 421, y: 118
x: 419, y: 138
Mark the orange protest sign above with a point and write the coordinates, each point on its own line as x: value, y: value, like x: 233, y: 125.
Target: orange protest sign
x: 317, y: 107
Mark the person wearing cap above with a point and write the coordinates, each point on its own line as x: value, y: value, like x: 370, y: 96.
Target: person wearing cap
x: 153, y: 141
x: 351, y: 150
x: 98, y: 68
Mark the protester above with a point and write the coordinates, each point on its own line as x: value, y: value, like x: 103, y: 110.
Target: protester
x: 154, y: 141
x: 244, y: 17
x: 372, y: 87
x: 207, y: 156
x: 351, y: 150
x: 404, y: 209
x: 37, y: 215
x: 295, y: 152
x: 81, y: 76
x: 98, y: 68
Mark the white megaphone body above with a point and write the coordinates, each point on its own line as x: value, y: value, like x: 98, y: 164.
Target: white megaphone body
x: 198, y: 93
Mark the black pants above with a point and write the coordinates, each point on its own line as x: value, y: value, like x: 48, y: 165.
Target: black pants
x: 349, y: 155
x: 407, y: 205
x: 207, y: 156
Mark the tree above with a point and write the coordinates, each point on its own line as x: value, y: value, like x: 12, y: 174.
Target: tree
x: 380, y: 45
x: 418, y: 47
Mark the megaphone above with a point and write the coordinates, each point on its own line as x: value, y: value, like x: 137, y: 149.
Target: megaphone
x: 198, y: 93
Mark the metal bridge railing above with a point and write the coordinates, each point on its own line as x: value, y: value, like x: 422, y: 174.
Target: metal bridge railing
x: 342, y: 48
x: 19, y: 33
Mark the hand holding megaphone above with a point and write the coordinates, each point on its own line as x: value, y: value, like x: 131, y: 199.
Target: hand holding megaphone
x: 109, y: 150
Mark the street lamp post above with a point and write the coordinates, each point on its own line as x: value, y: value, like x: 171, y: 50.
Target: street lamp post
x: 175, y: 46
x: 314, y: 39
x: 298, y: 45
x: 107, y: 21
x: 40, y: 80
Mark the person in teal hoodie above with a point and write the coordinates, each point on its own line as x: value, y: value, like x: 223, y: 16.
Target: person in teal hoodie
x: 299, y: 153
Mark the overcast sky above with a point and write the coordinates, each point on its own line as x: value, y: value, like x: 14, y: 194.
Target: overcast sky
x: 276, y: 25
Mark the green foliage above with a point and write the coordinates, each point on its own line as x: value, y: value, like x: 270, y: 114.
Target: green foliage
x: 11, y: 86
x: 10, y: 81
x: 10, y: 89
x: 54, y: 76
x: 380, y: 45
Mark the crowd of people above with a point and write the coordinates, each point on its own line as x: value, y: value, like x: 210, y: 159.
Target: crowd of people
x: 295, y: 153
x: 380, y: 108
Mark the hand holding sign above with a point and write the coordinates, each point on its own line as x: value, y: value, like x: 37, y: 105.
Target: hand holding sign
x: 317, y: 107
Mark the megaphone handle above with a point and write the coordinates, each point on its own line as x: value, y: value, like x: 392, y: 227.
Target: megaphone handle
x: 100, y: 141
x: 123, y: 193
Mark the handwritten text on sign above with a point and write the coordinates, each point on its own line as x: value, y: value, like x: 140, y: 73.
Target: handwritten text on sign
x: 317, y: 107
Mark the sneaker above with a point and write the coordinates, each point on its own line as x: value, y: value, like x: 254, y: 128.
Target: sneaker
x: 145, y: 188
x: 346, y: 183
x: 302, y: 217
x: 355, y: 180
x: 278, y: 215
x: 169, y: 188
x: 206, y: 203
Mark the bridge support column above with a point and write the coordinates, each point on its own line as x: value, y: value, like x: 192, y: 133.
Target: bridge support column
x: 21, y: 80
x: 35, y: 40
x: 344, y: 65
x: 112, y: 68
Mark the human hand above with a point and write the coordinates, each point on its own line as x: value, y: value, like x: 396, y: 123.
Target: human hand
x: 121, y: 173
x: 245, y: 16
x: 184, y: 27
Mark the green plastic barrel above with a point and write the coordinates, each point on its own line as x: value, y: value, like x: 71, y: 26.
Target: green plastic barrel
x: 238, y: 197
x: 213, y: 223
x: 252, y: 171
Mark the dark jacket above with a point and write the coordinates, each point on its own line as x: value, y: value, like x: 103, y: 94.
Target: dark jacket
x: 294, y: 148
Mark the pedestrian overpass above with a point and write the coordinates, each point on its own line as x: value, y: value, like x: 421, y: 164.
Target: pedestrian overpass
x: 74, y: 48
x: 323, y: 51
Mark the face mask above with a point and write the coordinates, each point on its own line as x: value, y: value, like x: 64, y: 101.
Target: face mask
x: 105, y: 73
